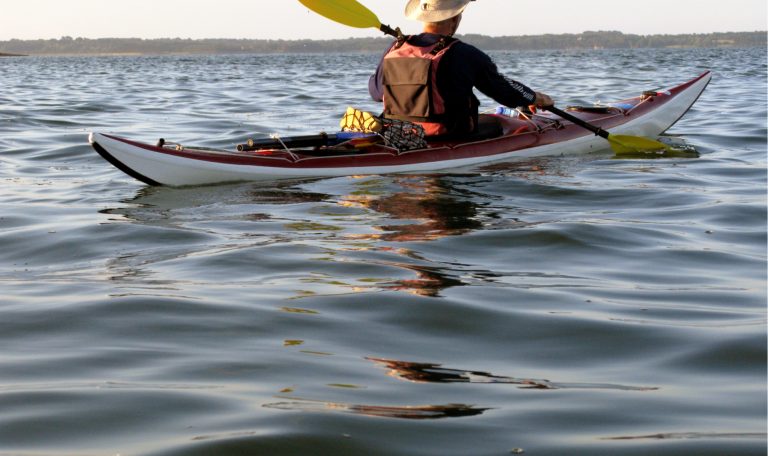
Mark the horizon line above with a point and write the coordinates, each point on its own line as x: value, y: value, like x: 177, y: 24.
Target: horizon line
x: 364, y: 37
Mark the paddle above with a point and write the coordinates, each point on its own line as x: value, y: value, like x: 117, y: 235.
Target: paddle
x: 621, y: 144
x: 351, y: 13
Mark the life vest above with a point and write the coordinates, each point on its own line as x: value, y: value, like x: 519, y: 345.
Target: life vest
x: 410, y: 90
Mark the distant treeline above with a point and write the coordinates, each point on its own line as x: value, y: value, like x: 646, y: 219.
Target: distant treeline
x: 587, y: 40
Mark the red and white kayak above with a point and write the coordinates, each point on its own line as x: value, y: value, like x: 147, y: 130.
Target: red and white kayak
x: 542, y: 134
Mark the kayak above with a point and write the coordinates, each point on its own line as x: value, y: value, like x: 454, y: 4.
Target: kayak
x: 517, y: 134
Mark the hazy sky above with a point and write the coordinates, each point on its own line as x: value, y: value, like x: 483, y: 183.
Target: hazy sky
x: 288, y: 19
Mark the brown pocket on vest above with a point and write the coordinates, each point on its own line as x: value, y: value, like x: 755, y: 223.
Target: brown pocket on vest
x: 406, y: 87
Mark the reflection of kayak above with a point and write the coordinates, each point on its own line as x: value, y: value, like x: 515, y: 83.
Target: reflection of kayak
x: 337, y: 155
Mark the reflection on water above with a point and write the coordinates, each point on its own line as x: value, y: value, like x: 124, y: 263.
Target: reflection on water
x: 435, y: 373
x: 412, y: 209
x: 414, y: 412
x: 429, y: 281
x: 695, y: 436
x: 420, y: 209
x: 424, y: 209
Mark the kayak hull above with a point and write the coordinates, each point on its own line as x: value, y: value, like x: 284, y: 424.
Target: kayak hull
x: 541, y: 135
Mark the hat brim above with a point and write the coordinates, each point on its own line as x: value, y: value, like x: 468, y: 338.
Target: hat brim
x: 413, y: 12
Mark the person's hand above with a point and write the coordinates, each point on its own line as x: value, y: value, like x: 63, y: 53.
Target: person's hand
x: 543, y: 100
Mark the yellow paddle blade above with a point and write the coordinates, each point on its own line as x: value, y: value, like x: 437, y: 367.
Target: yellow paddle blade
x: 625, y: 144
x: 347, y: 12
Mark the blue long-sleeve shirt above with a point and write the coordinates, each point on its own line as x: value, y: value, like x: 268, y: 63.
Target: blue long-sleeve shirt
x: 463, y: 68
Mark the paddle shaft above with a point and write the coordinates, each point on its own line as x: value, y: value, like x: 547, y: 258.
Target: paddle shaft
x: 390, y: 31
x: 298, y: 142
x: 295, y: 141
x: 593, y: 128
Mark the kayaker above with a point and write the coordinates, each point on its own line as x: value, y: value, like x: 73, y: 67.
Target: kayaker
x: 428, y: 78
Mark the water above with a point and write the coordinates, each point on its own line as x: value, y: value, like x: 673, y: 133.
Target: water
x: 574, y: 306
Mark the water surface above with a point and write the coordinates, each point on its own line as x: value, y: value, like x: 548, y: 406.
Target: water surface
x: 581, y: 305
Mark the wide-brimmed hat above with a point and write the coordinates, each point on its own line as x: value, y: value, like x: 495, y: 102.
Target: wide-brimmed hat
x: 434, y: 10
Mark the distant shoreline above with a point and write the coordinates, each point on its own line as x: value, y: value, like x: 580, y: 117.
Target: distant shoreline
x: 3, y: 54
x: 581, y: 41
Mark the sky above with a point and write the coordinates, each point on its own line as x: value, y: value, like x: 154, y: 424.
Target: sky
x: 288, y: 19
